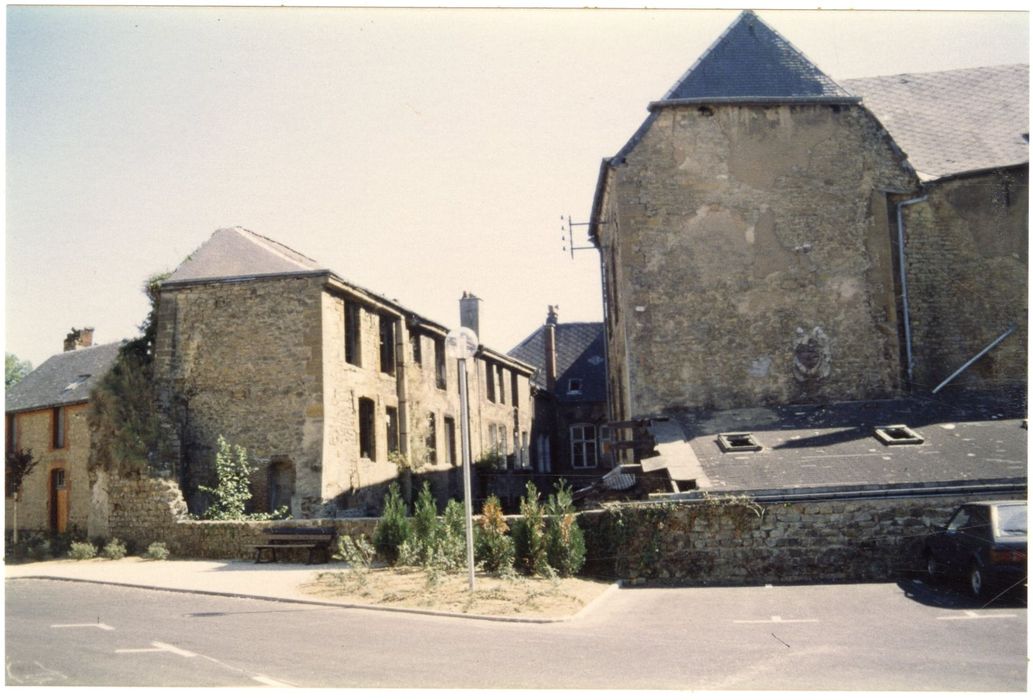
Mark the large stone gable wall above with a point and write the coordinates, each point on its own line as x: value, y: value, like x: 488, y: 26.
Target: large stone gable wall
x: 244, y: 361
x: 755, y: 255
x: 968, y: 272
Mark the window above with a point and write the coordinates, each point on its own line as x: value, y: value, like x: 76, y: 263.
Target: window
x: 525, y: 456
x: 450, y: 440
x: 416, y: 340
x: 387, y: 344
x: 432, y: 439
x: 502, y: 385
x: 392, y: 429
x: 513, y: 386
x: 503, y: 448
x: 574, y: 386
x: 439, y: 363
x: 489, y: 377
x: 352, y: 333
x: 57, y: 423
x: 582, y: 446
x: 12, y: 426
x: 367, y: 429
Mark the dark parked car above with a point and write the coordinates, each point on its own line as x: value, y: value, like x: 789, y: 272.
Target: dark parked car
x: 984, y: 543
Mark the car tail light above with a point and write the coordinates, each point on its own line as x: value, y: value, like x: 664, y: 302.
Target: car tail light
x: 1008, y: 556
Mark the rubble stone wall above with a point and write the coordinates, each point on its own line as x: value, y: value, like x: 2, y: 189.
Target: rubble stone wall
x: 968, y: 278
x: 753, y: 258
x: 812, y: 541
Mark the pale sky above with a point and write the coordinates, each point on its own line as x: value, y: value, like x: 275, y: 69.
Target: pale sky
x: 415, y: 152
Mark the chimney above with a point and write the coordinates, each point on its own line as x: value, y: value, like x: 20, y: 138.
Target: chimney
x: 470, y: 312
x: 550, y: 348
x: 79, y: 338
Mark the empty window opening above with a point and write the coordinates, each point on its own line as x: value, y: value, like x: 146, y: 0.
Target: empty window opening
x: 352, y: 333
x: 502, y: 385
x: 898, y: 435
x: 705, y: 111
x: 574, y: 386
x: 440, y: 367
x: 367, y: 429
x: 738, y: 442
x: 489, y: 376
x: 450, y: 440
x: 513, y: 389
x: 432, y: 439
x: 387, y: 344
x: 416, y: 340
x: 391, y: 421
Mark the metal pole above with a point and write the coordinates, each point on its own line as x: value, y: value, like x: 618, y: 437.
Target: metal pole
x: 988, y: 348
x: 464, y: 418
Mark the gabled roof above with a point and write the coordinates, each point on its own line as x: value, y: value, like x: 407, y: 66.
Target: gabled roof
x: 751, y: 62
x: 580, y: 354
x: 236, y: 252
x: 954, y: 121
x: 63, y: 379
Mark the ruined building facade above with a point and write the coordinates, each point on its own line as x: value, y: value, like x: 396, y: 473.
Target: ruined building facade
x: 768, y: 237
x: 330, y: 387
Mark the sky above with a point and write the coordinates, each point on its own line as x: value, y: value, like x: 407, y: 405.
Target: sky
x: 419, y: 153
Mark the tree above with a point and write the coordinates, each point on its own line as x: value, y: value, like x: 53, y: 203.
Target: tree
x: 14, y: 368
x: 233, y: 490
x: 18, y: 465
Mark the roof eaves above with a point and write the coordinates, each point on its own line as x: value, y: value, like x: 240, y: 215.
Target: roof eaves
x: 758, y: 100
x: 946, y: 177
x: 236, y: 279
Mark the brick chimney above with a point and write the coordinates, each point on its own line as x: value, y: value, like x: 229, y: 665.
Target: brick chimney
x: 79, y: 338
x: 550, y: 348
x: 470, y: 312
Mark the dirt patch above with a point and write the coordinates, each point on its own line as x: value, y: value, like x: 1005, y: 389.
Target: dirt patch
x: 415, y: 588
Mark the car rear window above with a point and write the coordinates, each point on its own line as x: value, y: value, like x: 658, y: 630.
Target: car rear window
x: 1011, y: 520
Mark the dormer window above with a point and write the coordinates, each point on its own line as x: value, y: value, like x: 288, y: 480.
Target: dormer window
x: 76, y: 384
x: 574, y: 386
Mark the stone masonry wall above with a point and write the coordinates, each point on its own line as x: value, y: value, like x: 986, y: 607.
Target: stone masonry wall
x: 735, y: 543
x: 755, y: 258
x: 968, y: 272
x: 34, y: 431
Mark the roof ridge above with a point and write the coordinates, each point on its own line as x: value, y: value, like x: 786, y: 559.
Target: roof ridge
x: 275, y: 247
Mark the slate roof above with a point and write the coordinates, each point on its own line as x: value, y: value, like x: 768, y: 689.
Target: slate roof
x: 62, y: 380
x: 974, y: 438
x: 237, y: 252
x: 750, y: 61
x: 954, y: 121
x: 580, y: 354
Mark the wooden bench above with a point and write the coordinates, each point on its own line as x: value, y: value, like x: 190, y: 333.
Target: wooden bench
x: 314, y: 539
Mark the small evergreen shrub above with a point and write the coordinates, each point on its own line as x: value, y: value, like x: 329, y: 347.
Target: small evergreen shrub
x: 115, y: 549
x: 452, y: 536
x: 565, y: 540
x: 157, y: 551
x: 529, y: 535
x: 358, y: 553
x: 393, y: 527
x: 424, y: 536
x: 494, y: 548
x: 82, y: 550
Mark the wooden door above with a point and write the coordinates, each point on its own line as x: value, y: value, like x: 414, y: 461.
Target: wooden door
x: 58, y: 501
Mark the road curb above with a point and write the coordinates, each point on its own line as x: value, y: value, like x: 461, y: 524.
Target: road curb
x: 332, y: 604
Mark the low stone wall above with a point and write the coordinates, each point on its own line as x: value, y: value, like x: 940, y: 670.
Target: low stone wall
x: 737, y: 541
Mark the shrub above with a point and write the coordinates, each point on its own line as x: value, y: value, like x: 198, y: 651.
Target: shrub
x: 495, y: 551
x: 82, y: 550
x: 393, y: 528
x: 425, y: 526
x: 233, y: 483
x: 358, y: 553
x: 565, y: 540
x: 157, y: 551
x: 115, y: 549
x: 529, y: 535
x: 452, y: 536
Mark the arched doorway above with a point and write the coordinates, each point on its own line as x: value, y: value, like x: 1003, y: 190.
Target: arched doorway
x: 281, y: 483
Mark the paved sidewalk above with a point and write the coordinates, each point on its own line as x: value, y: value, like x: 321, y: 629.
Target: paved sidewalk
x: 278, y: 581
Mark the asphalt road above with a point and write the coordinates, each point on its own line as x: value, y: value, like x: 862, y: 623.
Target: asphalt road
x: 903, y: 637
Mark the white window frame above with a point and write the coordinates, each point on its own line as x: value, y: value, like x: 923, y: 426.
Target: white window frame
x: 577, y: 438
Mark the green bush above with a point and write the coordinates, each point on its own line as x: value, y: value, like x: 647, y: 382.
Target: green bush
x: 452, y: 536
x: 157, y: 551
x: 424, y: 535
x: 529, y: 535
x: 358, y: 553
x: 82, y: 550
x: 393, y: 527
x: 494, y: 548
x: 115, y: 549
x: 565, y: 542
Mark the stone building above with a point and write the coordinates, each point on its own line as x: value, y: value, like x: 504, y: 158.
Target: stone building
x: 330, y: 387
x: 46, y: 412
x: 571, y: 436
x: 769, y: 236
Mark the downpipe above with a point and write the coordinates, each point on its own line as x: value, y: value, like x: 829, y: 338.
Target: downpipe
x: 902, y: 259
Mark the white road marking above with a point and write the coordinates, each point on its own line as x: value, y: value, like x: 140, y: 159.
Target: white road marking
x: 970, y: 615
x: 265, y: 680
x: 98, y: 625
x: 158, y: 647
x: 774, y: 618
